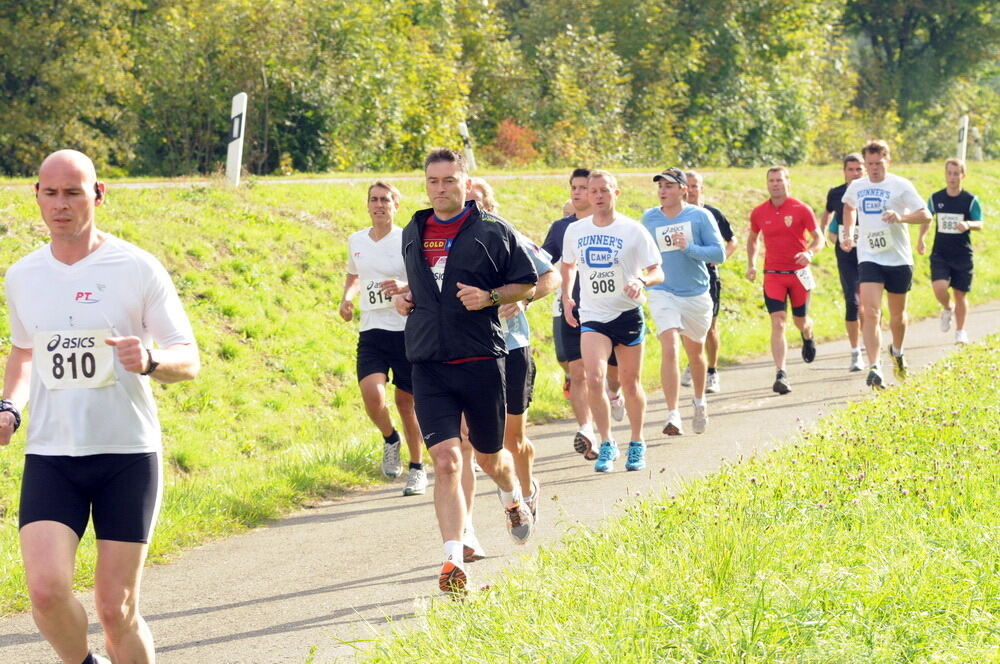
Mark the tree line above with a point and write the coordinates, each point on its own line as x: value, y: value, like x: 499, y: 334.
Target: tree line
x: 144, y: 86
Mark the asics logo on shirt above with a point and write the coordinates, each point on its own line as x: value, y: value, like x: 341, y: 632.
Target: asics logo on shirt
x: 59, y: 341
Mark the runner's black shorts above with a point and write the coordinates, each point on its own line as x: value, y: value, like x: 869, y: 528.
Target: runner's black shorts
x: 382, y: 350
x: 895, y: 278
x: 958, y: 276
x: 442, y: 393
x: 628, y: 329
x: 715, y: 290
x: 519, y: 368
x: 567, y: 341
x: 122, y: 490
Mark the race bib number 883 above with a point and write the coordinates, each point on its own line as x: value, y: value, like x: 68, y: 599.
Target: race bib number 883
x: 74, y: 359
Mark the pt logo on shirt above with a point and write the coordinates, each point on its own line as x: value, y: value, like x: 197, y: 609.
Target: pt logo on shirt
x: 85, y: 297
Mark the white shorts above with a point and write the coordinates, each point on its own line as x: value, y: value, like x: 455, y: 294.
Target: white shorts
x: 691, y: 315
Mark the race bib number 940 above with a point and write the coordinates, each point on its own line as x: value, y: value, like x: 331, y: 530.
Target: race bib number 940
x: 948, y: 222
x: 665, y: 239
x: 373, y: 298
x: 74, y: 359
x: 879, y: 241
x: 606, y: 282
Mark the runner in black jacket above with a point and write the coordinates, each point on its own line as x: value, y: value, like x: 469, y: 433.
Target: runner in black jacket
x: 461, y: 263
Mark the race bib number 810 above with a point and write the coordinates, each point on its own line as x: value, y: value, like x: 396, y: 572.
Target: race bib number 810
x: 74, y: 359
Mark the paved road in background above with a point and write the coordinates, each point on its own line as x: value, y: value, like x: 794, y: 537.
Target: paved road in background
x: 352, y: 569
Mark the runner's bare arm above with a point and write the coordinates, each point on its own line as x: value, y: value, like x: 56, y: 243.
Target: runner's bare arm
x: 751, y: 255
x: 547, y: 283
x: 850, y: 217
x: 921, y: 242
x: 805, y: 257
x: 173, y: 364
x: 16, y: 383
x: 475, y: 298
x: 352, y: 283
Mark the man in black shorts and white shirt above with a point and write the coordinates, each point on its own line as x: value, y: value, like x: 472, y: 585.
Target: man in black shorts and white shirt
x: 881, y: 203
x: 85, y: 311
x: 375, y: 270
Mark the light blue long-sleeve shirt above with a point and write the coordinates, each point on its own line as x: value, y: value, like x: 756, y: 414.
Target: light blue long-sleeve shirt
x: 685, y: 274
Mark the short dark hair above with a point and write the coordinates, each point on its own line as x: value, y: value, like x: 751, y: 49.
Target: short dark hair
x: 579, y: 173
x: 855, y: 157
x: 876, y: 147
x: 446, y: 154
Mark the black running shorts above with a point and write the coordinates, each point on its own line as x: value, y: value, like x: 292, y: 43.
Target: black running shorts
x: 382, y: 350
x: 122, y: 490
x: 958, y: 276
x: 519, y: 368
x: 628, y: 329
x: 442, y: 393
x: 896, y: 278
x: 567, y: 342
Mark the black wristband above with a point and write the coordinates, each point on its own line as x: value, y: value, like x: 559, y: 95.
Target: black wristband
x: 152, y: 364
x: 7, y: 406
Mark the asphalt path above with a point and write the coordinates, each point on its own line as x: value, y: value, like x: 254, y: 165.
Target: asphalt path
x: 332, y: 577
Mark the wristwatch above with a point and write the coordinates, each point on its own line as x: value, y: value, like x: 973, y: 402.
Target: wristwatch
x: 494, y: 298
x: 152, y: 364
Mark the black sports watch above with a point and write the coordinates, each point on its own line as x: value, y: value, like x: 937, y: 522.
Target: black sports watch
x: 7, y: 406
x: 152, y: 364
x: 494, y: 298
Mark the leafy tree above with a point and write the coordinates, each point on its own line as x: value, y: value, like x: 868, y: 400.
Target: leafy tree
x: 65, y: 81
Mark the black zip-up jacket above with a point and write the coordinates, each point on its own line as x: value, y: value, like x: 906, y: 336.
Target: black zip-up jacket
x: 485, y: 254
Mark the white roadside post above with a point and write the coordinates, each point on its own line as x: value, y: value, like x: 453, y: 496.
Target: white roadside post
x: 237, y: 122
x: 963, y: 136
x: 470, y: 158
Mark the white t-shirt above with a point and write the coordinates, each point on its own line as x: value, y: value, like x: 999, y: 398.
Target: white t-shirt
x: 374, y: 262
x: 607, y: 257
x: 879, y: 242
x: 82, y: 400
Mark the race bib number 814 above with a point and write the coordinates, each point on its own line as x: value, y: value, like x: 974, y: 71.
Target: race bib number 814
x: 74, y: 359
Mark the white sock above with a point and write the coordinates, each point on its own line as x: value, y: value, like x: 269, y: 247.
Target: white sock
x: 699, y: 402
x: 856, y: 351
x: 454, y: 552
x: 896, y: 352
x: 588, y: 428
x: 512, y: 497
x: 614, y: 396
x: 673, y: 412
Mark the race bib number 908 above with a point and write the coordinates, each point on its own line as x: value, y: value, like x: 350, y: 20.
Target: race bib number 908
x: 74, y: 359
x: 607, y: 282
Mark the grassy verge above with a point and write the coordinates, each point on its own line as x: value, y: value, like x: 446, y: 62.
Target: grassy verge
x: 275, y: 418
x: 867, y: 540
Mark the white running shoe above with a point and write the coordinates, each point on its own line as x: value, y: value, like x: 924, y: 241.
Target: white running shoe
x: 673, y: 426
x: 700, y: 417
x: 416, y: 482
x: 857, y: 364
x: 686, y: 377
x: 712, y: 383
x: 472, y: 550
x: 945, y: 320
x: 392, y: 466
x: 618, y: 407
x: 961, y: 337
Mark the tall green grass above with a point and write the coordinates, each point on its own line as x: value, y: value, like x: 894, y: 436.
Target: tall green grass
x: 274, y: 419
x: 872, y: 539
